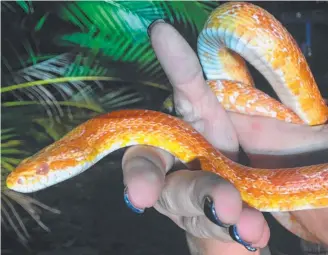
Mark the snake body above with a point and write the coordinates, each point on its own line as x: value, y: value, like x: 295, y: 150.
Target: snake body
x: 237, y: 31
x: 234, y: 32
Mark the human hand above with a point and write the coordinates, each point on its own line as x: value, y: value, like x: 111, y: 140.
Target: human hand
x: 181, y: 194
x: 275, y: 144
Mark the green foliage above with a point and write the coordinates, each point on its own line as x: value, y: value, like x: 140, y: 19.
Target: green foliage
x: 65, y: 62
x: 26, y: 6
x: 118, y: 30
x: 11, y: 151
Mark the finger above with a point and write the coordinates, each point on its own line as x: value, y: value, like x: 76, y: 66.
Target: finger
x: 273, y: 143
x: 264, y: 239
x: 213, y: 246
x: 185, y: 193
x: 176, y: 57
x: 188, y: 209
x: 144, y: 169
x: 315, y: 222
x: 252, y: 228
x: 254, y: 133
x: 256, y: 235
x: 193, y: 99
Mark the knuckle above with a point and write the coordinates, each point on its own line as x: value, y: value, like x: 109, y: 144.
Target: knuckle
x: 189, y: 113
x: 184, y: 107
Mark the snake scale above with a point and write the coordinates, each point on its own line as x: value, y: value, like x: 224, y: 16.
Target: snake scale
x: 234, y: 32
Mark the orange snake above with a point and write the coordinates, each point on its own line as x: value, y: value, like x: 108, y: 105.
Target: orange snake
x: 233, y: 27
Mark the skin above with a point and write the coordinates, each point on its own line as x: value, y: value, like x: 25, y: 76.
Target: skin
x: 267, y: 142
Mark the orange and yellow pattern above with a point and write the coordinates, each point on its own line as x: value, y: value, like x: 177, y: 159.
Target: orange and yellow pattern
x: 234, y: 32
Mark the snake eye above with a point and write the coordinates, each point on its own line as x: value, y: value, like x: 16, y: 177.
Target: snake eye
x: 21, y: 180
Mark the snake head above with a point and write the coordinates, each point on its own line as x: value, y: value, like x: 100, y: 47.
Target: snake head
x: 48, y: 167
x: 28, y: 176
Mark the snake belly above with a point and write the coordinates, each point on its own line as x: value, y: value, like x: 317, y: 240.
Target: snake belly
x: 234, y: 31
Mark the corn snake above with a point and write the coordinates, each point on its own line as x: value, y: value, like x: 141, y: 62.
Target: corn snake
x: 234, y: 31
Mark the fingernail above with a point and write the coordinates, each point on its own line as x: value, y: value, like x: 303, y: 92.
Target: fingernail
x: 209, y: 210
x: 235, y: 236
x: 129, y: 204
x: 151, y: 25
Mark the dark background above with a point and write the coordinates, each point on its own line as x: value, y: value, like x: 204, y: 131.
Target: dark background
x: 94, y: 219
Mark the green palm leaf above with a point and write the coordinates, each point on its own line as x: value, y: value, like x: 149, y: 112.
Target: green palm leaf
x: 100, y: 66
x: 118, y: 30
x: 45, y: 125
x: 26, y: 6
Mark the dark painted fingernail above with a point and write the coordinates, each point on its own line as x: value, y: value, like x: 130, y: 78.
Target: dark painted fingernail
x: 151, y: 25
x: 129, y: 204
x: 209, y: 210
x: 236, y: 237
